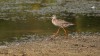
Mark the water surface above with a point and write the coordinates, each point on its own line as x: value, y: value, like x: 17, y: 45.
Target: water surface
x: 23, y: 17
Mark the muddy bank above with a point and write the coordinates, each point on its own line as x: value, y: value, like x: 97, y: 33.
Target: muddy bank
x: 77, y: 46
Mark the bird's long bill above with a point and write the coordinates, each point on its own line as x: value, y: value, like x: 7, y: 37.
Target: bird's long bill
x: 71, y: 24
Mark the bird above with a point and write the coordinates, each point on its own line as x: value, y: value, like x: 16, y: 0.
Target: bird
x: 61, y: 24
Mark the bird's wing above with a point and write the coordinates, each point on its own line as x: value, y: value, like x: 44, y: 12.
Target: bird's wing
x: 63, y: 22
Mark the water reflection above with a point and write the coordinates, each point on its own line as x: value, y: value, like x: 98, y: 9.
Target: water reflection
x: 88, y: 24
x: 28, y: 17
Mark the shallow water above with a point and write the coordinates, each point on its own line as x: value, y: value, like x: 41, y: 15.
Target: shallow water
x: 23, y: 17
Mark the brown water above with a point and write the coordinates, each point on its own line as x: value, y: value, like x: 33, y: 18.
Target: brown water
x: 18, y: 18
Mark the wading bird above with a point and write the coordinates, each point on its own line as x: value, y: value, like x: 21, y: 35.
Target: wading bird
x: 61, y: 24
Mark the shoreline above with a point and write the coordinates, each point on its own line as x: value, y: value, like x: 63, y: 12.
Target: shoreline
x: 73, y: 46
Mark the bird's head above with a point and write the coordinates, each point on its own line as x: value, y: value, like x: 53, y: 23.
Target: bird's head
x: 53, y: 17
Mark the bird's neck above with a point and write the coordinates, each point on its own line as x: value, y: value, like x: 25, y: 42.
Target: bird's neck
x: 54, y: 18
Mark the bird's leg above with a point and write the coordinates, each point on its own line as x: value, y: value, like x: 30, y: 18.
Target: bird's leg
x: 57, y: 31
x: 65, y: 32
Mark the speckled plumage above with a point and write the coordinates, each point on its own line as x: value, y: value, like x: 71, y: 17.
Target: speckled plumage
x: 60, y: 23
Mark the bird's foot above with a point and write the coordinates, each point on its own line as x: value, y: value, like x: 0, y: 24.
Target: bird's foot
x: 54, y: 34
x: 66, y: 36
